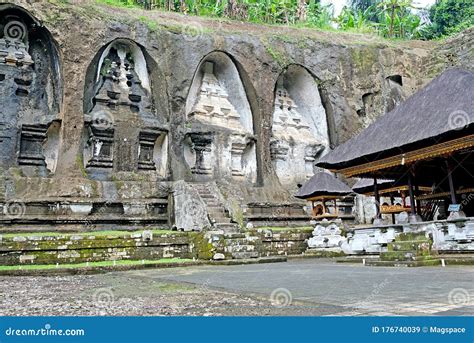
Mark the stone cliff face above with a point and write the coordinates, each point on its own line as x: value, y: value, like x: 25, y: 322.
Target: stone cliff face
x: 197, y: 100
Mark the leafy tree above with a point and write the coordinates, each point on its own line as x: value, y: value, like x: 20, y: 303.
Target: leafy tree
x: 448, y: 17
x: 394, y: 12
x: 352, y: 19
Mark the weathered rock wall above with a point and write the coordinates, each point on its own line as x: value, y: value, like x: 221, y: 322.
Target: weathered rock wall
x: 358, y: 77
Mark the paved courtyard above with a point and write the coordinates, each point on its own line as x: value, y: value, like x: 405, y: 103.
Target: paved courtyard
x: 297, y: 287
x: 341, y: 289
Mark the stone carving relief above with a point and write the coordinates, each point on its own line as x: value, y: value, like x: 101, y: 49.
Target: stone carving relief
x: 29, y: 88
x: 123, y: 133
x: 300, y: 131
x: 221, y: 142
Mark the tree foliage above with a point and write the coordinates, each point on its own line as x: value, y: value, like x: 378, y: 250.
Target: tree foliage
x: 389, y: 18
x: 448, y: 17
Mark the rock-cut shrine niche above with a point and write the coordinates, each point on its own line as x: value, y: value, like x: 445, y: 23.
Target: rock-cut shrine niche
x: 220, y: 138
x: 300, y: 129
x: 123, y: 133
x: 30, y: 93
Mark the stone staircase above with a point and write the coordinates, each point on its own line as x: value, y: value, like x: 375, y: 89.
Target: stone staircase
x: 408, y: 250
x: 218, y: 215
x: 237, y: 246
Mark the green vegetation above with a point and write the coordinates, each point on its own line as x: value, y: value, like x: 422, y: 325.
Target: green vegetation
x: 389, y: 18
x: 96, y: 264
x: 121, y: 3
x: 152, y: 25
x: 449, y: 17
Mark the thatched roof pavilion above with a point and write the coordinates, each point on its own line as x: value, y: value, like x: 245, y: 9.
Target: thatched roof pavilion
x: 321, y: 188
x: 428, y: 138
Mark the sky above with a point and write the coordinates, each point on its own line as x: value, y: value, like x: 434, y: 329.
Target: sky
x: 339, y: 4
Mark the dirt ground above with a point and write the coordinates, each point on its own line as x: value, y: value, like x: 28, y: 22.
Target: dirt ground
x: 117, y: 294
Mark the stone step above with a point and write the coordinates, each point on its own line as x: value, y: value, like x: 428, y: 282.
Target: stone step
x: 411, y: 236
x: 236, y: 242
x: 217, y: 211
x: 207, y: 196
x: 240, y: 248
x: 227, y: 227
x: 424, y: 263
x: 221, y: 220
x: 404, y: 256
x: 244, y: 255
x: 234, y: 235
x: 211, y: 203
x: 420, y: 245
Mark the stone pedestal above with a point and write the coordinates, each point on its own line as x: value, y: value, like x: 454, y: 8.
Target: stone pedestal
x: 237, y: 150
x: 202, y: 146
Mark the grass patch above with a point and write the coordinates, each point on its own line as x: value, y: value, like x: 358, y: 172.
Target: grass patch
x: 120, y: 3
x: 95, y: 264
x: 92, y: 233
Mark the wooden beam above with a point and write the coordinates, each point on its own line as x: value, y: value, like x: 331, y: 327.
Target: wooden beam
x: 377, y: 199
x: 409, y: 157
x: 452, y: 190
x: 411, y: 192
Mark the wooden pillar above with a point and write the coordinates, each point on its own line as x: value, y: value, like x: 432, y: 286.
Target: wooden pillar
x: 336, y: 211
x: 377, y: 199
x: 417, y: 193
x: 324, y: 205
x: 452, y: 190
x: 392, y: 201
x: 412, y: 193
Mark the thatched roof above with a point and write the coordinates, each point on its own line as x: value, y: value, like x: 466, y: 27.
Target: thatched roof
x: 323, y: 184
x: 364, y: 186
x: 444, y: 106
x: 367, y: 185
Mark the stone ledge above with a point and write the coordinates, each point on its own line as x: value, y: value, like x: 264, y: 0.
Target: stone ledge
x: 105, y: 269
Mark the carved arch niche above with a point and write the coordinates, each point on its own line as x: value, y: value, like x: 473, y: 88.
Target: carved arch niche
x: 220, y: 136
x: 300, y: 131
x: 31, y: 93
x: 124, y: 131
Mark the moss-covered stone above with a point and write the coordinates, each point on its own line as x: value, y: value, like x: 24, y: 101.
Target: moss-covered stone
x: 203, y: 248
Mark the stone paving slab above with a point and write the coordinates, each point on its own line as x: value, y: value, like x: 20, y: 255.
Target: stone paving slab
x: 355, y: 289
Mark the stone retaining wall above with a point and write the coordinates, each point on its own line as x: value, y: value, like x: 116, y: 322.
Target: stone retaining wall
x: 92, y: 248
x: 17, y: 250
